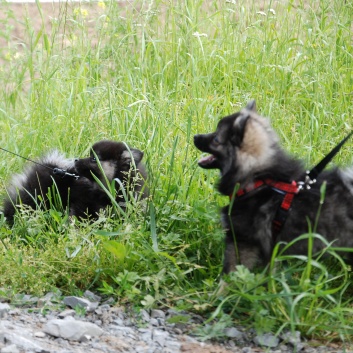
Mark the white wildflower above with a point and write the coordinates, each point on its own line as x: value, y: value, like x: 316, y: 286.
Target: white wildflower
x: 197, y: 34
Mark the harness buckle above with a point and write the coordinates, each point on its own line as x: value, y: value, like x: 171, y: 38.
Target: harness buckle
x: 306, y: 184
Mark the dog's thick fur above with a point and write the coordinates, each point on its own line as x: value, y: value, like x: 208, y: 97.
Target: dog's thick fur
x: 84, y: 197
x: 245, y: 149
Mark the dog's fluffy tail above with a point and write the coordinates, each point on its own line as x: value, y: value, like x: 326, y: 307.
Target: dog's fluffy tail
x: 34, y: 180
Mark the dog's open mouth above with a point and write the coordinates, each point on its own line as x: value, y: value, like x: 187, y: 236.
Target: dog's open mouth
x: 209, y: 161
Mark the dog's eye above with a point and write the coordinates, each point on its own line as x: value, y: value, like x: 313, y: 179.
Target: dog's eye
x: 216, y: 141
x: 94, y: 160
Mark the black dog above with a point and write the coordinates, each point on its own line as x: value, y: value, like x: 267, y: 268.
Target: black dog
x: 40, y: 185
x: 268, y: 202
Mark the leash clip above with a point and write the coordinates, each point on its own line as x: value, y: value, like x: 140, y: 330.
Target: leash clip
x: 63, y: 173
x: 306, y: 184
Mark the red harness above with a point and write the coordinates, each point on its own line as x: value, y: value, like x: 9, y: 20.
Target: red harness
x: 287, y: 190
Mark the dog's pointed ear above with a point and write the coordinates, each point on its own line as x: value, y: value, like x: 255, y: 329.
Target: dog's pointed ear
x: 137, y: 155
x: 251, y: 106
x: 239, y: 128
x: 132, y: 153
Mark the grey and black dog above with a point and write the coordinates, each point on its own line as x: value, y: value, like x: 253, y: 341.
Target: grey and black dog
x: 270, y: 206
x: 83, y: 196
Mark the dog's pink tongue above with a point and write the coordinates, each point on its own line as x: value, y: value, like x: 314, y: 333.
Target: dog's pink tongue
x: 207, y: 159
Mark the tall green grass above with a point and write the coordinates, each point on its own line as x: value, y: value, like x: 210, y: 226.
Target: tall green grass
x: 154, y: 73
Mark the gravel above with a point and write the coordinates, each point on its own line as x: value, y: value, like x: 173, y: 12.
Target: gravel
x: 57, y: 324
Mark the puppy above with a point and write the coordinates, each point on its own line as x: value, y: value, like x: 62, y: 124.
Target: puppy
x: 75, y: 181
x: 269, y: 201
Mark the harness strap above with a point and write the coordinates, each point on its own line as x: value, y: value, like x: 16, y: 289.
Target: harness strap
x: 282, y: 214
x: 286, y: 190
x: 278, y: 186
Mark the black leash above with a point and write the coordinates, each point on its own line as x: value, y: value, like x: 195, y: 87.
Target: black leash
x: 56, y: 171
x: 311, y: 176
x: 310, y: 179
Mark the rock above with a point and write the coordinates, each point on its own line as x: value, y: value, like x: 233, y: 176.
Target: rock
x: 154, y: 322
x: 85, y: 338
x: 293, y: 339
x: 109, y: 301
x: 72, y: 330
x: 39, y: 334
x: 266, y: 340
x: 232, y: 332
x: 91, y: 296
x: 4, y: 309
x: 47, y: 299
x: 246, y: 350
x: 65, y: 313
x: 157, y: 314
x: 84, y: 303
x: 145, y: 316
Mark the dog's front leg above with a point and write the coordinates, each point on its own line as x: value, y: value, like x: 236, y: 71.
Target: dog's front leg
x: 230, y: 255
x: 239, y: 253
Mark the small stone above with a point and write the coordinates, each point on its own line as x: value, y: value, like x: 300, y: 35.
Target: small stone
x: 4, y: 310
x: 109, y: 301
x: 69, y: 318
x: 74, y: 302
x: 145, y: 316
x: 154, y: 322
x: 105, y: 307
x: 157, y: 314
x: 46, y: 300
x: 39, y: 334
x: 267, y: 340
x: 65, y: 313
x: 72, y: 330
x: 232, y: 332
x: 246, y: 350
x: 118, y: 322
x: 91, y: 296
x: 293, y: 339
x: 85, y: 338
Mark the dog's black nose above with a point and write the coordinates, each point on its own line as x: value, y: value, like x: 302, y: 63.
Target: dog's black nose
x: 197, y: 140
